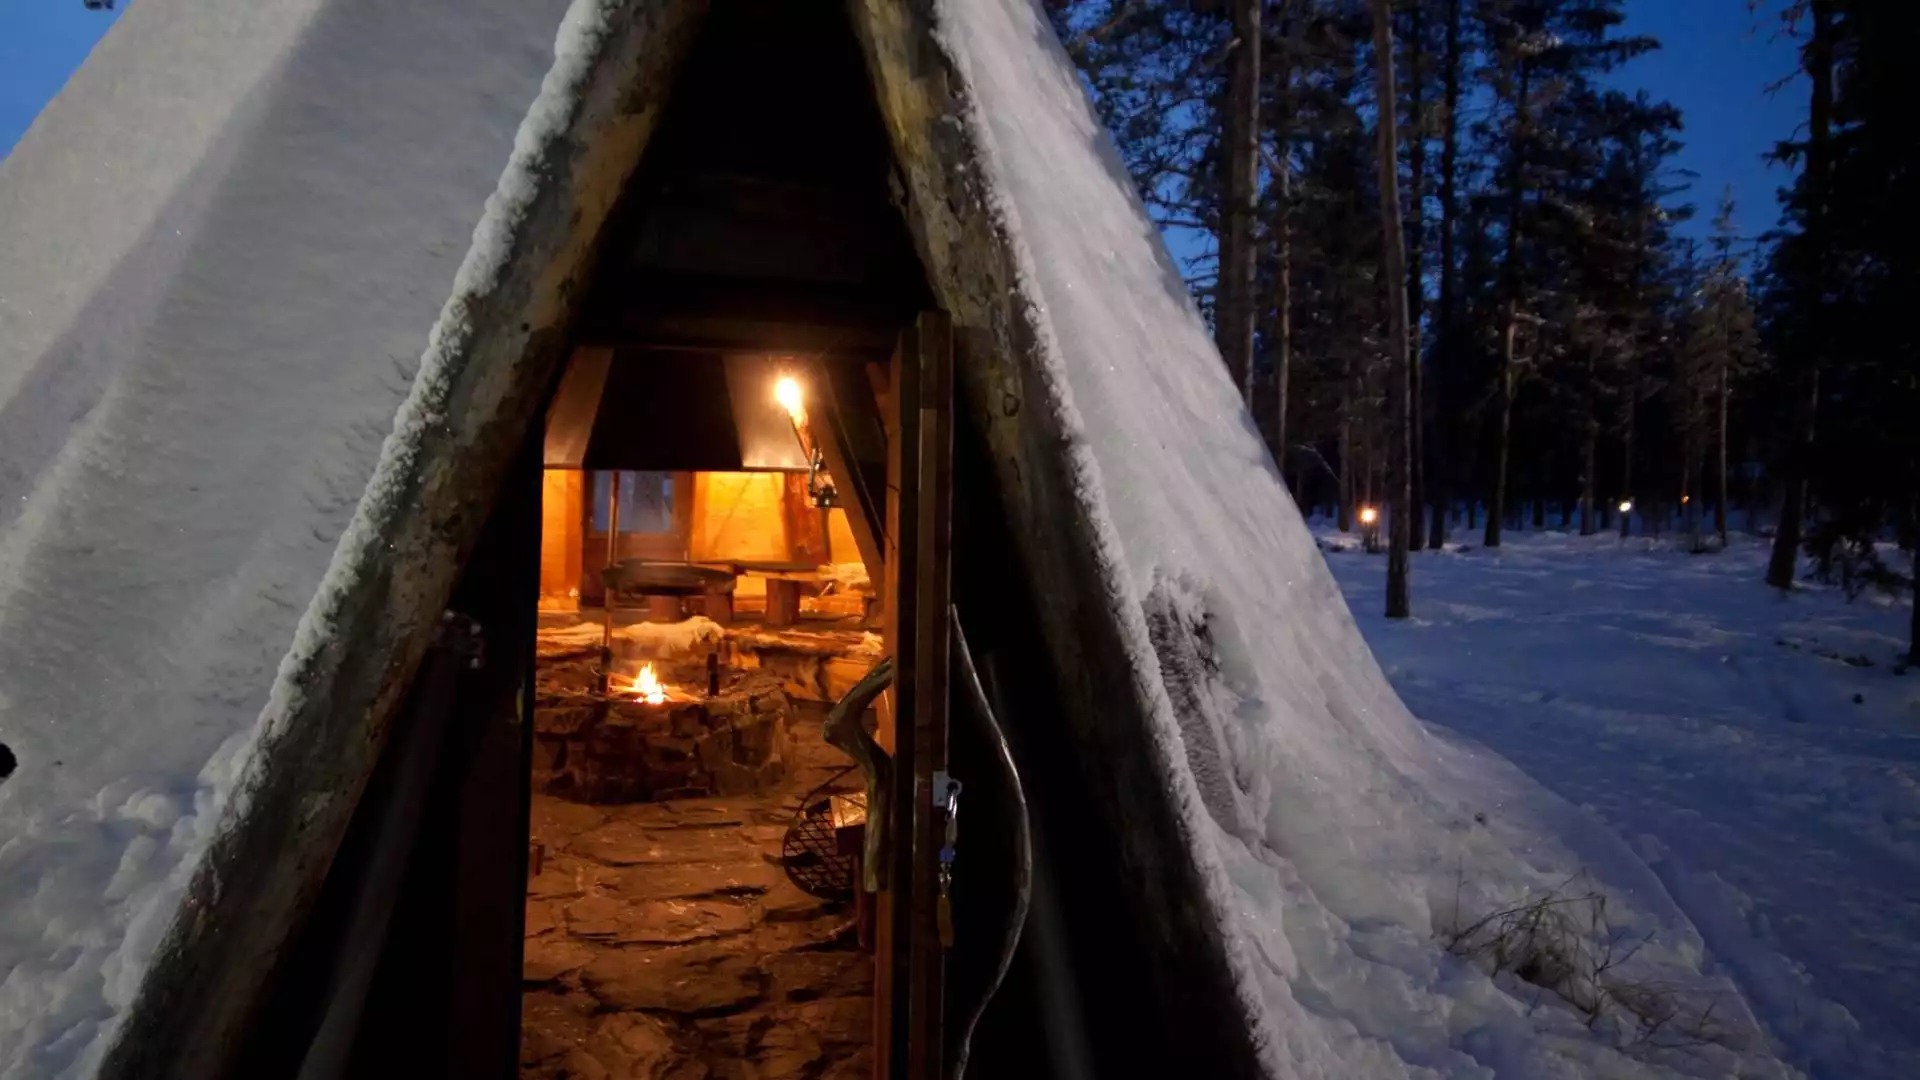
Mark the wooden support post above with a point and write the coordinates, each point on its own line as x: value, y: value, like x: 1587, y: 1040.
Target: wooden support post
x: 865, y: 515
x: 910, y: 973
x: 783, y: 602
x: 891, y: 932
x: 932, y: 586
x: 718, y: 606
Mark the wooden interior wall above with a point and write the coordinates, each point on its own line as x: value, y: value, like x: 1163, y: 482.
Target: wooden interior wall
x: 739, y: 517
x: 562, y: 538
x: 806, y: 526
x: 841, y: 545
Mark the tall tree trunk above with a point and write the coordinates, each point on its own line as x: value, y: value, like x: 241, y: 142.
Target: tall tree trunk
x: 1785, y: 560
x: 1589, y: 468
x: 1632, y: 406
x: 1496, y: 510
x: 1346, y: 444
x: 1370, y: 446
x: 1233, y: 304
x: 1283, y: 237
x: 1400, y: 403
x: 1283, y: 335
x: 1720, y: 457
x: 1690, y: 475
x: 1449, y: 208
x: 1510, y: 277
x: 1416, y: 270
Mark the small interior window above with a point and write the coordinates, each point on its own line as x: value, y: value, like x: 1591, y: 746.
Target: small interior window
x: 646, y: 501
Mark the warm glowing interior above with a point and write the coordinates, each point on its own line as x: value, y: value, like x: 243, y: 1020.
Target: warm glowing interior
x: 739, y: 517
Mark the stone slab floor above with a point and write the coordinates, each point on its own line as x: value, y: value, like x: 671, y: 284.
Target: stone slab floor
x: 664, y: 942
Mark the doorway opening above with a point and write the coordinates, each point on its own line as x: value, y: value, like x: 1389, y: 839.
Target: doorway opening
x: 693, y: 904
x: 715, y: 506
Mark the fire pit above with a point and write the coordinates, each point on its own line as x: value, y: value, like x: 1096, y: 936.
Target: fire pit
x: 652, y: 737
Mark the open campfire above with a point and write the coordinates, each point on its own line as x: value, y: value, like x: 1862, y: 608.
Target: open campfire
x: 645, y: 686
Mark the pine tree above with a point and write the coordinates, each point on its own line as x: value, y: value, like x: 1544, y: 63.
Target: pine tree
x: 1418, y: 49
x: 1240, y: 131
x: 1726, y: 340
x: 1402, y: 406
x: 1805, y: 267
x: 1836, y: 300
x: 1453, y: 63
x: 1542, y: 54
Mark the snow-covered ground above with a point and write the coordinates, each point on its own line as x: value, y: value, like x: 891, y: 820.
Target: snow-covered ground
x: 1760, y: 752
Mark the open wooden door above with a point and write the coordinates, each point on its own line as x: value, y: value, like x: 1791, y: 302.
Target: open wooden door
x: 909, y: 957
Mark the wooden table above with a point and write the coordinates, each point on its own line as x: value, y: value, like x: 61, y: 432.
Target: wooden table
x: 785, y: 583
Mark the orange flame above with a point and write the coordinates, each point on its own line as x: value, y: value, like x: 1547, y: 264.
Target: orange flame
x: 792, y: 398
x: 647, y: 687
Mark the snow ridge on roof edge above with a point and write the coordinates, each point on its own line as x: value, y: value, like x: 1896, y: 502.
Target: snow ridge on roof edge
x: 580, y: 43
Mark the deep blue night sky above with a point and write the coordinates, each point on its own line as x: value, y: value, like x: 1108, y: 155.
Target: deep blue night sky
x: 1715, y: 66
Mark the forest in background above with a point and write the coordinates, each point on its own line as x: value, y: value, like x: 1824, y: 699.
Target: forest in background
x: 1567, y: 350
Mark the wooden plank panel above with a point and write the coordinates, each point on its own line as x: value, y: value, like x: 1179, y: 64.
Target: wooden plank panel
x: 562, y: 538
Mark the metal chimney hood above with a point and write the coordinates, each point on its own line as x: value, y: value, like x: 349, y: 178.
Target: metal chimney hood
x: 671, y: 412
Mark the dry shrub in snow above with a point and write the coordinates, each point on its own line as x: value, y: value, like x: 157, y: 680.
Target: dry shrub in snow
x: 1563, y: 942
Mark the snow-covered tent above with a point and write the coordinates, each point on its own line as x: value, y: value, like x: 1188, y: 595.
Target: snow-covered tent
x: 284, y: 287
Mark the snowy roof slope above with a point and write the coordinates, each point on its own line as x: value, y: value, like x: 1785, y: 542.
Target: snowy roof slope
x: 1349, y: 835
x: 203, y: 342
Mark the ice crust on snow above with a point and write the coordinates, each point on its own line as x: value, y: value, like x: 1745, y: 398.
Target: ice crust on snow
x: 204, y: 343
x: 1364, y: 839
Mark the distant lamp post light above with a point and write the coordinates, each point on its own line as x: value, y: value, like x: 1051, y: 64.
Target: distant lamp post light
x: 1626, y: 506
x: 1370, y: 529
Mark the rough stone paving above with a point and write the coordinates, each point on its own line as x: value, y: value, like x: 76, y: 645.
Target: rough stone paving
x: 664, y: 942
